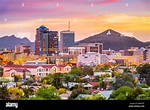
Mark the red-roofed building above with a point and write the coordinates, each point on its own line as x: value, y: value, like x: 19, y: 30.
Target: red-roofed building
x: 39, y: 70
x: 17, y: 71
x: 94, y: 83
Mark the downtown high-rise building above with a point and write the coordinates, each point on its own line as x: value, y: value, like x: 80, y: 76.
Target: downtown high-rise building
x: 67, y: 39
x: 46, y: 41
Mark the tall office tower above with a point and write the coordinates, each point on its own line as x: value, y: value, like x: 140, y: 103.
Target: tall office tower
x: 42, y: 30
x: 67, y: 39
x: 46, y: 42
x: 53, y: 42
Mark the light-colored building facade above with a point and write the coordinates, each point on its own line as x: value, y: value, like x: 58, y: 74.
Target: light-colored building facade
x: 38, y: 70
x: 92, y: 58
x: 76, y: 50
x: 92, y: 47
x: 62, y: 59
x: 22, y: 49
x: 126, y: 59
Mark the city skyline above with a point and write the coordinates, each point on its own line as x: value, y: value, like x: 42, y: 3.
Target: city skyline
x: 87, y: 17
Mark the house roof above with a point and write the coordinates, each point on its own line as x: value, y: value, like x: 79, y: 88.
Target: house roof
x: 106, y: 93
x: 18, y: 70
x: 87, y: 85
x: 35, y: 66
x: 83, y: 95
x: 93, y: 83
x: 35, y: 88
x: 87, y: 76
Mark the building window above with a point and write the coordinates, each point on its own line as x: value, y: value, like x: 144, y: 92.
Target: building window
x: 54, y: 70
x: 39, y: 70
x: 46, y: 69
x: 40, y: 74
x: 60, y: 69
x: 67, y: 69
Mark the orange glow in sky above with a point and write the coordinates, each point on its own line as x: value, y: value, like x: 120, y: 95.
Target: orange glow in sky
x: 87, y: 17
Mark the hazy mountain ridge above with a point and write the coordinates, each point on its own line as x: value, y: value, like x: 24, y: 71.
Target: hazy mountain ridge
x: 113, y: 40
x: 11, y: 41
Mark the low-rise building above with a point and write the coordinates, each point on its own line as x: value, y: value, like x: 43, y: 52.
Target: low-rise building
x: 76, y: 50
x: 38, y: 70
x: 92, y: 58
x: 92, y: 47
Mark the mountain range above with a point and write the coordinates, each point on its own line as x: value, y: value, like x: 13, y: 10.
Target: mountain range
x: 11, y: 41
x: 114, y: 40
x: 110, y: 39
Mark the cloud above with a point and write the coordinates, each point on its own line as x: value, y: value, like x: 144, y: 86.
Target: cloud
x: 16, y: 10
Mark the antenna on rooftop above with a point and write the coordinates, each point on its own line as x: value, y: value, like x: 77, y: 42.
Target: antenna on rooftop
x: 69, y: 25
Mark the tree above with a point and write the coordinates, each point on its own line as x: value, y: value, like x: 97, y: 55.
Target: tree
x: 78, y: 91
x: 16, y: 78
x: 144, y: 85
x: 103, y: 85
x: 87, y: 70
x: 61, y: 90
x: 10, y: 63
x: 105, y: 75
x: 15, y: 93
x: 49, y: 78
x: 1, y: 72
x: 57, y: 82
x: 104, y: 67
x: 144, y: 71
x: 97, y: 78
x: 49, y: 93
x: 97, y: 96
x: 1, y: 61
x: 34, y: 98
x: 4, y: 95
x: 123, y: 93
x: 128, y: 77
x: 137, y: 91
x: 126, y: 70
x: 45, y: 81
x: 128, y: 83
x: 66, y: 78
x: 145, y: 96
x: 27, y: 92
x: 76, y: 71
x: 118, y: 83
x: 29, y: 80
x: 121, y: 96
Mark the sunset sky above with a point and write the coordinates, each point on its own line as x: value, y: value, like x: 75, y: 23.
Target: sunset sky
x: 87, y: 17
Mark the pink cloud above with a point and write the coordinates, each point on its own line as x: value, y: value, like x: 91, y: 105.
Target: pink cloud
x: 107, y: 1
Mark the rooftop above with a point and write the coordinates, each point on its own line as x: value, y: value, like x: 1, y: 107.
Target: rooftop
x: 42, y: 27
